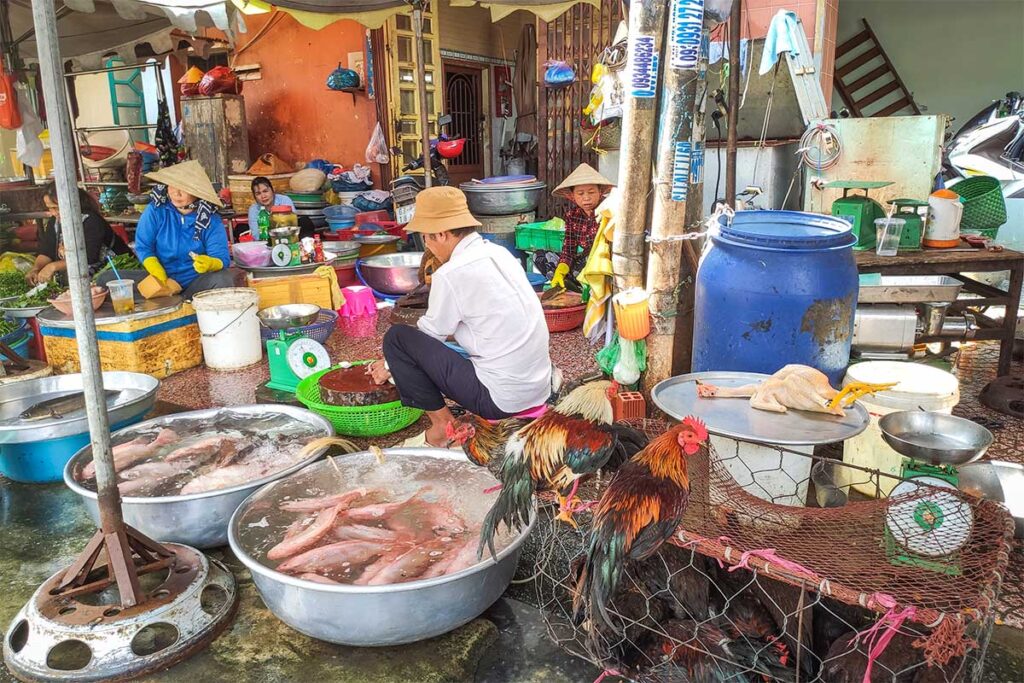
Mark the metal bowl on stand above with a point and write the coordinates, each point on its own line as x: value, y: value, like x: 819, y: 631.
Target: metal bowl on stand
x: 996, y: 480
x: 935, y: 437
x: 364, y: 615
x: 502, y: 200
x: 392, y: 273
x: 288, y: 315
x: 199, y: 520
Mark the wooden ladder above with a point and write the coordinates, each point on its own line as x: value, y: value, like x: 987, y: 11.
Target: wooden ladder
x: 850, y: 58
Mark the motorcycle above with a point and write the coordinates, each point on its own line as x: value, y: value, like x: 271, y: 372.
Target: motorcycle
x: 405, y: 187
x: 990, y: 143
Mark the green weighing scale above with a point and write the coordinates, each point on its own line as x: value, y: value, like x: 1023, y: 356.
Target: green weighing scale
x: 292, y: 356
x: 913, y: 212
x: 929, y: 528
x: 860, y: 210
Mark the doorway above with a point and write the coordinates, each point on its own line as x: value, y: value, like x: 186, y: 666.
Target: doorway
x: 463, y: 98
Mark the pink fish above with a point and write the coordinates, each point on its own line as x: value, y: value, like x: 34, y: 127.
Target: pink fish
x: 227, y: 476
x: 379, y: 511
x: 317, y: 578
x: 205, y: 447
x: 423, y: 520
x: 361, y: 532
x: 146, y: 475
x: 314, y: 504
x: 410, y: 565
x: 333, y: 557
x: 464, y: 557
x: 134, y: 451
x: 306, y: 538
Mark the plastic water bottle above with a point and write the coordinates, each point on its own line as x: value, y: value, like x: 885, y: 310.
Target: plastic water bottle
x: 263, y: 221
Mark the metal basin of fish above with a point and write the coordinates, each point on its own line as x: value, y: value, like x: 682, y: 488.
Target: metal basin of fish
x: 199, y: 520
x: 36, y: 450
x: 364, y: 615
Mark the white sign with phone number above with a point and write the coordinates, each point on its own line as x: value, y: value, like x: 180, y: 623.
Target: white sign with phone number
x: 686, y: 32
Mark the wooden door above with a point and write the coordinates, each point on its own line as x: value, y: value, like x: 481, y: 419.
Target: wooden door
x: 463, y: 100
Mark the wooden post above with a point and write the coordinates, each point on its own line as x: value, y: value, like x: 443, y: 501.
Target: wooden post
x: 421, y: 89
x: 734, y: 102
x: 680, y: 164
x: 646, y: 34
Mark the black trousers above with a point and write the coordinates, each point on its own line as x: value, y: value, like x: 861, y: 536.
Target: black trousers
x: 426, y: 371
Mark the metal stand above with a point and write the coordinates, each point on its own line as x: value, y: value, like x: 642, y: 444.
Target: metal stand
x: 127, y: 605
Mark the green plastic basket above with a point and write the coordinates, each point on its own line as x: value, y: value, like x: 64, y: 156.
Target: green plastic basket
x: 546, y: 236
x: 379, y: 420
x: 984, y: 206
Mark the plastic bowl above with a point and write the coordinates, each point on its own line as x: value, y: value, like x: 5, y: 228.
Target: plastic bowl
x: 340, y: 212
x: 63, y: 302
x: 252, y: 254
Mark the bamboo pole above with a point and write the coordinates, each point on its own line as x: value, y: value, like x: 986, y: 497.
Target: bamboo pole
x: 680, y: 161
x: 421, y: 76
x: 639, y: 119
x: 734, y: 102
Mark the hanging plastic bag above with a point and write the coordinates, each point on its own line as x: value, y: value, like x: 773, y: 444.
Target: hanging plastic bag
x: 343, y: 79
x: 220, y: 79
x: 558, y: 74
x: 28, y: 147
x: 10, y: 117
x: 377, y: 151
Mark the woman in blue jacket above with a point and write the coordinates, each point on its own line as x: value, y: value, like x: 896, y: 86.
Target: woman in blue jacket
x: 180, y: 236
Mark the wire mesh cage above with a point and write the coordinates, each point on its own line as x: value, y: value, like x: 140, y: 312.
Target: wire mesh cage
x: 748, y: 589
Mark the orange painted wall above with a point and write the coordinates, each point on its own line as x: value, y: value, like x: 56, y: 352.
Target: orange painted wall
x: 290, y: 111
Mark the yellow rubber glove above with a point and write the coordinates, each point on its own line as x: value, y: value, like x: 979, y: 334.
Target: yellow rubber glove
x: 558, y: 279
x: 153, y: 267
x: 206, y: 264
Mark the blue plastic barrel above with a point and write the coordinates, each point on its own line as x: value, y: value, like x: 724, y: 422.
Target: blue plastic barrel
x: 777, y: 287
x: 507, y: 240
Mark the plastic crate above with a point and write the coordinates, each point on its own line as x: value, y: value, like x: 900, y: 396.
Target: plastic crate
x: 547, y: 236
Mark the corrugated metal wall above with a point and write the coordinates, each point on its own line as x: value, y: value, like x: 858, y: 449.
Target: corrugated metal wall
x: 578, y: 37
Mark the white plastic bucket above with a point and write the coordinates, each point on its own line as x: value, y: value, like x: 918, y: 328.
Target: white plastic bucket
x: 780, y: 477
x: 919, y: 386
x: 229, y: 327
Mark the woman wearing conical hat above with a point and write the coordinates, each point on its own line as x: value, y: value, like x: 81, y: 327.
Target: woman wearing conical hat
x: 585, y: 188
x: 180, y: 236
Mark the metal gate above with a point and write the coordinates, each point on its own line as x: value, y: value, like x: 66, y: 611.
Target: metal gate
x: 463, y: 101
x: 577, y: 37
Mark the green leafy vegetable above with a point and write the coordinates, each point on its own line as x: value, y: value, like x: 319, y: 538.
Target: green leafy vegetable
x: 122, y: 262
x: 7, y: 326
x: 40, y: 298
x: 13, y: 284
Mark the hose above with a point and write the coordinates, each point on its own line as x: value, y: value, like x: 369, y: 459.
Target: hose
x: 825, y: 140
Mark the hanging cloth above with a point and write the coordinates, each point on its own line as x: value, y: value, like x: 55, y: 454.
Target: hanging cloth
x: 166, y: 143
x: 597, y: 273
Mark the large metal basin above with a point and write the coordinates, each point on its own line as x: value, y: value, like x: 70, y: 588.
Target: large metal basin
x: 1000, y: 481
x: 392, y: 273
x: 491, y: 200
x: 199, y: 520
x: 376, y: 615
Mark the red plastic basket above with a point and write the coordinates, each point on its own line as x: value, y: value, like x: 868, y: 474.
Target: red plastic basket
x: 565, y: 319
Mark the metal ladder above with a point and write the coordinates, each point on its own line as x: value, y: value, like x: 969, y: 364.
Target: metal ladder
x: 881, y: 72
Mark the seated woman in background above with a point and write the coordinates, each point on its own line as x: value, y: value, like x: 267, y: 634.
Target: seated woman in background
x: 180, y: 235
x: 100, y: 240
x: 263, y: 193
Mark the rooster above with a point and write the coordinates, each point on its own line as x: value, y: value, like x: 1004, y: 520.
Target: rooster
x: 573, y: 439
x: 638, y: 512
x: 708, y: 652
x: 481, y: 440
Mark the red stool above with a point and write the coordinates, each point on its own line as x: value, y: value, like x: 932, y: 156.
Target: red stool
x: 36, y: 348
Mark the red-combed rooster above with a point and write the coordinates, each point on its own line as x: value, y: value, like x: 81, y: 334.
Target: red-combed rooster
x: 482, y: 440
x: 639, y: 511
x: 551, y: 453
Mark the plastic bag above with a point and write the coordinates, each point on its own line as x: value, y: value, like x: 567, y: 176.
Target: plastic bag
x: 28, y: 146
x: 10, y: 116
x: 220, y: 79
x: 343, y: 79
x: 377, y: 151
x: 558, y: 74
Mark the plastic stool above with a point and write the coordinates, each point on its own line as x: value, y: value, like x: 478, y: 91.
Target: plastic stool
x: 359, y: 300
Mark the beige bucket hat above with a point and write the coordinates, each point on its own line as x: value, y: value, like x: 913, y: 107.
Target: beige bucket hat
x: 190, y: 177
x: 439, y: 209
x: 583, y: 175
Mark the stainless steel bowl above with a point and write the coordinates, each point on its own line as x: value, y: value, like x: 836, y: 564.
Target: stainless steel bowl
x: 199, y: 520
x: 392, y: 273
x: 138, y: 394
x: 1000, y: 481
x: 377, y: 615
x: 935, y: 437
x: 376, y: 238
x: 285, y: 233
x: 288, y: 315
x: 497, y: 200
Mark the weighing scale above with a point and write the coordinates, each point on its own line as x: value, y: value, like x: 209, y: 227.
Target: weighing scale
x: 292, y: 358
x: 860, y: 210
x: 913, y: 212
x: 928, y: 531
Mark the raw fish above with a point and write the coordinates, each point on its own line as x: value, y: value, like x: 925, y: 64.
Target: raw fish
x: 306, y: 538
x: 317, y: 578
x: 361, y: 532
x: 333, y: 557
x: 206, y: 447
x: 146, y: 475
x: 132, y: 452
x: 376, y: 512
x: 410, y: 565
x: 225, y: 477
x: 57, y: 408
x: 314, y: 504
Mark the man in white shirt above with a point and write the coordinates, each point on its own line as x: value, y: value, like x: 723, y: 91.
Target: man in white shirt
x: 480, y: 296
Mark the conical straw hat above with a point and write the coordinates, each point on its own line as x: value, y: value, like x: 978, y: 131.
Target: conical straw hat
x: 583, y: 175
x: 190, y: 177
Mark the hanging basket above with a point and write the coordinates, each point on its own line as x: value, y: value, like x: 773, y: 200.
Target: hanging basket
x: 604, y: 137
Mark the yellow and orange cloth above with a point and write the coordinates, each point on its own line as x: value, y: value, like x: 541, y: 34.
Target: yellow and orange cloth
x: 597, y: 273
